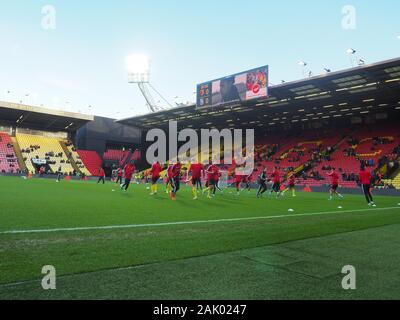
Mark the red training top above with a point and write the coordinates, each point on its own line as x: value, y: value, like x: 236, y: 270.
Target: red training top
x: 176, y: 170
x: 155, y: 170
x: 365, y: 177
x: 335, y: 178
x: 211, y: 170
x: 129, y: 170
x: 196, y: 169
x: 238, y: 178
x: 276, y: 176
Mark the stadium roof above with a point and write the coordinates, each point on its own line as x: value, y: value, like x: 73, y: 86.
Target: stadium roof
x: 353, y: 92
x: 41, y: 118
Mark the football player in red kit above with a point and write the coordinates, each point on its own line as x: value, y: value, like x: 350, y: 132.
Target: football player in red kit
x: 247, y: 181
x: 176, y: 179
x: 102, y: 175
x: 334, y: 185
x: 210, y: 184
x: 276, y: 176
x: 197, y: 171
x: 169, y: 180
x: 119, y: 175
x: 238, y: 182
x: 291, y: 185
x: 217, y: 177
x: 129, y: 170
x: 155, y: 176
x: 365, y: 179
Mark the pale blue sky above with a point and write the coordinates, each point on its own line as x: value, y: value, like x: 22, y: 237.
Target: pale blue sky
x: 82, y: 61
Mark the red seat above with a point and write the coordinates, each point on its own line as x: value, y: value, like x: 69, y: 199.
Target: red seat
x: 91, y: 160
x: 8, y: 159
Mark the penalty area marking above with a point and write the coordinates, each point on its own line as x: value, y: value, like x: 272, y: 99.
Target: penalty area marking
x: 164, y: 224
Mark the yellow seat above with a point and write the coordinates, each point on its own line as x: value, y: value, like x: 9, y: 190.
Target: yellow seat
x: 47, y: 145
x: 77, y: 158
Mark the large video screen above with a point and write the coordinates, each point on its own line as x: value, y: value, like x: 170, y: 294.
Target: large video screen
x: 240, y: 87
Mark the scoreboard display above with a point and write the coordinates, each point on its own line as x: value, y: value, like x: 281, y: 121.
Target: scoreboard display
x: 204, y: 94
x: 240, y: 87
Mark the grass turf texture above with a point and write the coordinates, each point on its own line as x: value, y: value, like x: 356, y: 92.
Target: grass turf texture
x: 293, y: 256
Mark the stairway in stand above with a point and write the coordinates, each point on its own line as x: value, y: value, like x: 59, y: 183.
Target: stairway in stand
x: 69, y: 156
x: 18, y: 154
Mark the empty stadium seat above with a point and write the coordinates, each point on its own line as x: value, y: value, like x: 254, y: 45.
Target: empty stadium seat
x: 116, y: 155
x: 34, y: 146
x: 91, y: 160
x: 8, y: 159
x: 76, y: 157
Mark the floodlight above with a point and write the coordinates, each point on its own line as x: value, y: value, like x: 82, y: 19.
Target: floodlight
x: 302, y: 63
x: 138, y: 67
x: 137, y: 63
x: 327, y: 70
x: 351, y: 51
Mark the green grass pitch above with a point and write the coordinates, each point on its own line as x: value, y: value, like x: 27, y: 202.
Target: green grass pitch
x: 106, y: 244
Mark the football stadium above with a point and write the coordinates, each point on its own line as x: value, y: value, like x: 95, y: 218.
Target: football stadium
x: 304, y: 206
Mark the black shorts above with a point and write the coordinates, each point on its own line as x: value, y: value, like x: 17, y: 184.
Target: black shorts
x: 366, y: 187
x: 334, y: 187
x: 176, y: 182
x: 276, y: 187
x: 262, y: 183
x: 210, y: 182
x: 291, y: 186
x: 196, y: 181
x: 127, y: 181
x: 154, y: 180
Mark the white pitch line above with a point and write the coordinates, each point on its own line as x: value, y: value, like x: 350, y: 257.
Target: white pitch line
x: 129, y: 226
x: 164, y: 224
x: 168, y: 224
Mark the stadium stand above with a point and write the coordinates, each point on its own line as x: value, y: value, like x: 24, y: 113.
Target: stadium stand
x: 91, y: 160
x: 136, y: 155
x: 40, y: 147
x: 8, y: 159
x: 394, y: 183
x: 72, y: 152
x: 126, y: 157
x: 312, y: 154
x: 371, y: 145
